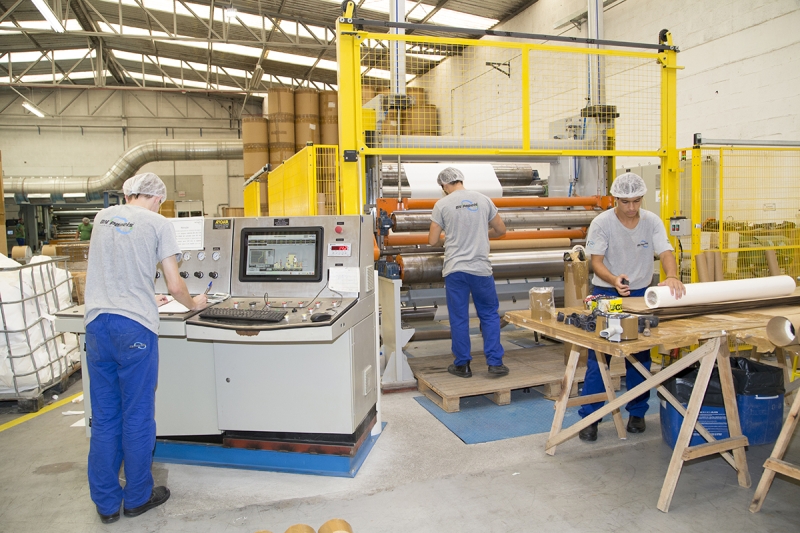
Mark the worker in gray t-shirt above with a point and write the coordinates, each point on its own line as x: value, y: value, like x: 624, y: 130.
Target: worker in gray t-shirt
x: 623, y: 243
x: 468, y: 219
x: 121, y: 318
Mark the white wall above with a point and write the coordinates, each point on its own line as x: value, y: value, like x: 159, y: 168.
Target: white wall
x: 740, y: 78
x: 87, y: 131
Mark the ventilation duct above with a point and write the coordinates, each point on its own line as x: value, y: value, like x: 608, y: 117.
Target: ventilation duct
x: 127, y: 166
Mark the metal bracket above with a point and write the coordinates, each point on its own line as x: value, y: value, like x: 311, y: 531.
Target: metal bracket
x: 497, y: 66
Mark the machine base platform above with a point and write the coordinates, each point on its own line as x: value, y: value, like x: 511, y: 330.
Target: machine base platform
x: 215, y: 455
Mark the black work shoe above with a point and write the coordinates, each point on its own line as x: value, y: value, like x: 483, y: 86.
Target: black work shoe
x: 636, y: 424
x: 499, y: 370
x: 159, y: 496
x: 462, y: 371
x: 589, y: 433
x: 108, y: 518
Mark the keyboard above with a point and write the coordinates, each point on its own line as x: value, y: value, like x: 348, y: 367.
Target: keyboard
x: 249, y: 315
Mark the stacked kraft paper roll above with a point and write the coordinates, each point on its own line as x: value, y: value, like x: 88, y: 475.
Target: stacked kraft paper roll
x: 721, y: 291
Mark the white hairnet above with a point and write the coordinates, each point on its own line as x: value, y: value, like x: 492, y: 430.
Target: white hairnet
x: 148, y: 184
x: 85, y: 220
x: 628, y: 185
x: 449, y: 175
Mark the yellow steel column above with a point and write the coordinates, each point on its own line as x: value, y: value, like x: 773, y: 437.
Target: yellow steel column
x: 348, y: 43
x: 697, y: 206
x: 526, y: 98
x: 670, y: 165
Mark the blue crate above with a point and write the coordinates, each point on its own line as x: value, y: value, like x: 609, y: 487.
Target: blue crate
x: 761, y: 418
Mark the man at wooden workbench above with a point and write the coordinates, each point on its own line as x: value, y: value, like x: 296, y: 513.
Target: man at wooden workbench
x: 468, y: 219
x: 623, y: 243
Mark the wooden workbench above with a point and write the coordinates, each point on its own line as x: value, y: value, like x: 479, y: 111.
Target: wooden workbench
x: 711, y: 330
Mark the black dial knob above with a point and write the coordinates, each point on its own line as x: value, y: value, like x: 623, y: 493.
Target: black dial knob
x: 198, y: 275
x: 184, y: 274
x: 213, y: 275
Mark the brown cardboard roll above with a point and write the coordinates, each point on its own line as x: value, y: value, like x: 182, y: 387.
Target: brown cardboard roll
x: 367, y: 93
x: 719, y: 275
x: 280, y: 107
x: 300, y: 528
x: 306, y: 117
x: 418, y: 93
x: 772, y: 262
x: 254, y: 129
x: 21, y: 252
x: 710, y: 264
x: 420, y: 120
x: 702, y: 268
x: 49, y: 249
x: 329, y: 117
x: 527, y: 244
x: 336, y: 525
x: 783, y: 330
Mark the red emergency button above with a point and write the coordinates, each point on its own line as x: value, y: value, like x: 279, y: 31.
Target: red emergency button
x: 338, y: 229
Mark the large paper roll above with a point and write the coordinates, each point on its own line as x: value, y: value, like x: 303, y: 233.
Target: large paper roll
x: 722, y: 291
x: 21, y: 252
x: 783, y: 330
x: 477, y: 177
x: 702, y: 267
x: 49, y: 249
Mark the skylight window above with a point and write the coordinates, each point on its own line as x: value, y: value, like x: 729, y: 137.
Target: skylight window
x: 60, y: 55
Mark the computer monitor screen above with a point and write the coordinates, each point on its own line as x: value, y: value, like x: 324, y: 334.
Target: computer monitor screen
x: 281, y: 254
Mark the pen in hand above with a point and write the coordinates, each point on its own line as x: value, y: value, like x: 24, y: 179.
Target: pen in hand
x: 209, y: 287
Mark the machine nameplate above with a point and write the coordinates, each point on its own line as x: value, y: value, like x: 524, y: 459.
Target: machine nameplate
x: 222, y: 223
x: 281, y: 222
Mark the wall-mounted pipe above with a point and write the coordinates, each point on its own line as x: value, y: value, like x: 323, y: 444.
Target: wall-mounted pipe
x: 127, y: 165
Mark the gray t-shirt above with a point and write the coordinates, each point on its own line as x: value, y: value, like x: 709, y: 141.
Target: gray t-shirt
x: 627, y: 251
x: 127, y: 243
x: 464, y: 216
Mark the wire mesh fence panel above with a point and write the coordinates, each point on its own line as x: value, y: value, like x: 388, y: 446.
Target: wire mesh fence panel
x: 327, y: 189
x: 441, y: 94
x: 749, y: 209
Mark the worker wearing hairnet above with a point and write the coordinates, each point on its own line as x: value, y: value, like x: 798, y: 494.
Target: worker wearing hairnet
x: 623, y: 243
x: 121, y: 320
x: 468, y: 219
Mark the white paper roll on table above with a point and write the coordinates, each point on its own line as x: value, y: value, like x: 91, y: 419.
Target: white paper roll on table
x: 783, y: 330
x: 21, y: 252
x: 722, y: 291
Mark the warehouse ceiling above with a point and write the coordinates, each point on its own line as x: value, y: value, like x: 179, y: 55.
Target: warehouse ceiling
x: 228, y: 46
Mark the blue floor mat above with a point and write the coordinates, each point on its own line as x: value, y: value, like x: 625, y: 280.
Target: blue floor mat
x: 481, y: 420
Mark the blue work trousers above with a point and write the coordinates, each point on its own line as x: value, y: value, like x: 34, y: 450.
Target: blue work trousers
x: 593, y: 382
x: 458, y: 287
x: 122, y: 357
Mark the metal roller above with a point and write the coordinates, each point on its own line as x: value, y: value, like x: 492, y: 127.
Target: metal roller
x: 427, y: 268
x: 507, y: 174
x: 391, y: 191
x: 407, y: 221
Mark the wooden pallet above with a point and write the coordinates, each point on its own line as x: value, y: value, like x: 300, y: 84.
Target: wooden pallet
x: 542, y: 365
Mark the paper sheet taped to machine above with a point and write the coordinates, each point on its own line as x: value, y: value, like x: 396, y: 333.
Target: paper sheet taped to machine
x: 478, y: 177
x: 189, y: 232
x: 344, y: 279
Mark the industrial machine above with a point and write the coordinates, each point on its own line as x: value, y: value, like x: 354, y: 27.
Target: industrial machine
x: 287, y: 354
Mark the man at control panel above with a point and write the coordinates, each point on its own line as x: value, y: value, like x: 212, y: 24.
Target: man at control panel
x: 121, y: 319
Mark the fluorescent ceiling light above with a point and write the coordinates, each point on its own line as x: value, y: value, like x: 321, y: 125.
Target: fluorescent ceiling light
x: 47, y: 12
x: 33, y: 109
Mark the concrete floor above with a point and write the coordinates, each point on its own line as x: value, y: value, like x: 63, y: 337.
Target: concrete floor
x: 418, y: 478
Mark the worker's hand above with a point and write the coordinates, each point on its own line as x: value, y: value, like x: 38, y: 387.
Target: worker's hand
x: 161, y: 299
x: 622, y: 284
x: 676, y: 288
x: 200, y: 302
